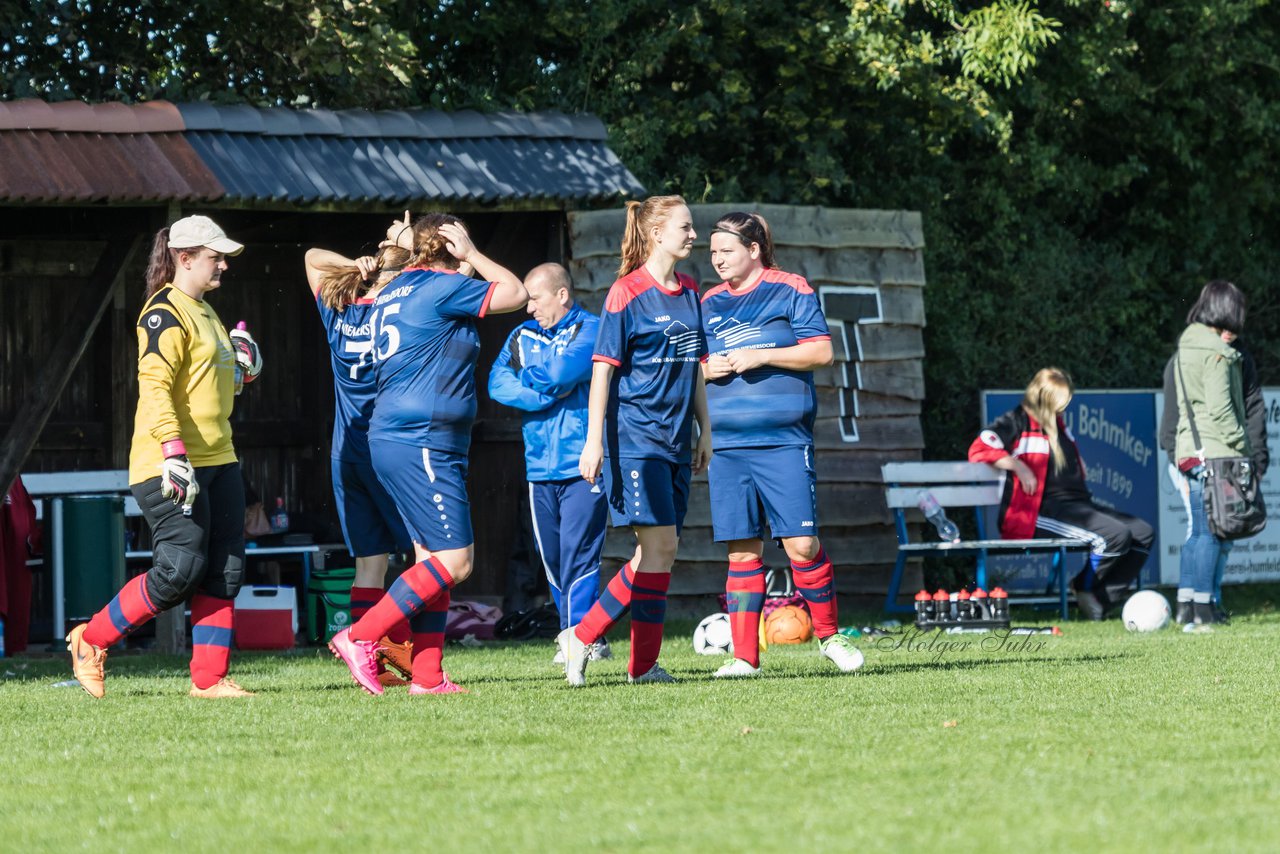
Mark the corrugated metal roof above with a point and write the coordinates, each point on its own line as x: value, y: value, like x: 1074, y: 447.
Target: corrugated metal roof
x: 71, y: 151
x: 56, y: 167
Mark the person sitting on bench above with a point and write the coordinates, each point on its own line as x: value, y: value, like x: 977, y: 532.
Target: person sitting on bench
x: 1047, y: 497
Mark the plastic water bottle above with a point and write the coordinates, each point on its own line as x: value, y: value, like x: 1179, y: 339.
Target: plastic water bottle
x: 999, y: 604
x: 964, y: 610
x: 942, y: 606
x: 932, y: 510
x: 279, y: 519
x: 924, y: 607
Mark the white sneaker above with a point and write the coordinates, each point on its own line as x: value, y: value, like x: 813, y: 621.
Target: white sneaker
x: 600, y: 650
x: 736, y: 668
x: 576, y: 656
x: 653, y: 674
x: 841, y: 651
x: 559, y: 656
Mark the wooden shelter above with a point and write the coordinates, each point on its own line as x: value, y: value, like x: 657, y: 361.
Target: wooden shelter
x: 83, y: 188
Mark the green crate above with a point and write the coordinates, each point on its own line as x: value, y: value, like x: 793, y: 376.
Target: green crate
x: 329, y: 602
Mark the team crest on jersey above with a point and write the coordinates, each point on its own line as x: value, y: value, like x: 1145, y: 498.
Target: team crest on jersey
x: 684, y: 339
x: 733, y: 332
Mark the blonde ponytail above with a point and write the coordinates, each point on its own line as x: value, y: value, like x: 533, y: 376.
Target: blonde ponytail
x: 1047, y: 396
x: 642, y: 217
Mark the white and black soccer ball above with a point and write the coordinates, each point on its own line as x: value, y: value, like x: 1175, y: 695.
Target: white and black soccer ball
x: 1146, y: 611
x: 713, y: 636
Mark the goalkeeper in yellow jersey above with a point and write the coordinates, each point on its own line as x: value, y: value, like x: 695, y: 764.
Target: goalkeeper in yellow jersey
x: 183, y: 469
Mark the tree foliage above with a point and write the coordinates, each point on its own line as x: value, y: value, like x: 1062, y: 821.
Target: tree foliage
x: 1082, y: 168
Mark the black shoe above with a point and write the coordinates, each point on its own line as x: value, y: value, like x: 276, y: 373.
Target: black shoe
x: 1204, y: 613
x: 1091, y: 607
x: 1186, y: 614
x: 1220, y: 614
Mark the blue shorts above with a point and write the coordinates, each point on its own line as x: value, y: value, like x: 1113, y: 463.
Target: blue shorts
x: 782, y: 479
x: 430, y: 491
x: 644, y: 493
x: 371, y: 523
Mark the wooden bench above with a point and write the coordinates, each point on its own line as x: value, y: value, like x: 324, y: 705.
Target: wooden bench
x: 962, y: 484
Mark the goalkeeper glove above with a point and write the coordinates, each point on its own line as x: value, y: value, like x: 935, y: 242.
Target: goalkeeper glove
x: 178, y: 478
x: 248, y: 356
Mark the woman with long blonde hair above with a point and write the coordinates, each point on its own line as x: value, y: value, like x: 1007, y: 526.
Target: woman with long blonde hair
x: 646, y: 390
x: 1048, y: 495
x: 344, y: 290
x: 424, y: 345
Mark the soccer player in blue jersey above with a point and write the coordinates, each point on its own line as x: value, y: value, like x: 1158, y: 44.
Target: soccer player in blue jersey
x: 765, y: 334
x: 344, y: 291
x: 424, y: 348
x: 646, y: 388
x: 544, y: 370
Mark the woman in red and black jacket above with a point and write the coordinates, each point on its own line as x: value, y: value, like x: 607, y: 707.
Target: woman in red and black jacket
x: 1047, y: 497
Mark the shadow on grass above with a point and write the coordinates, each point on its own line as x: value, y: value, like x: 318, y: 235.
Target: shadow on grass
x: 896, y: 668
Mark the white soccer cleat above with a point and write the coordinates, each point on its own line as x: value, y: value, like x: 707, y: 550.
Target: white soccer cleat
x: 653, y: 674
x: 735, y: 669
x: 600, y: 650
x: 841, y: 651
x: 576, y: 656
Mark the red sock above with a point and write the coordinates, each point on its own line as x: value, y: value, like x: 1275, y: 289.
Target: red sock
x: 362, y: 599
x: 211, y: 630
x: 816, y: 583
x: 129, y: 609
x: 648, y: 614
x: 419, y: 584
x: 744, y: 594
x: 609, y: 608
x: 428, y: 641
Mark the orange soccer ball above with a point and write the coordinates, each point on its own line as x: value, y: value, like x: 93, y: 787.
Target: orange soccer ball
x: 788, y: 624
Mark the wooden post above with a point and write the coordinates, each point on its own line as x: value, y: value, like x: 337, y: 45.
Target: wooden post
x: 80, y: 326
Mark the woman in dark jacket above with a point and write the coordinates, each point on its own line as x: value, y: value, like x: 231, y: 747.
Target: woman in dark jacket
x: 1209, y: 385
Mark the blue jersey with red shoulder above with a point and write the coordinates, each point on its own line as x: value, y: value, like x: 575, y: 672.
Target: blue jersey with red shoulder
x: 425, y: 347
x: 348, y: 332
x: 766, y: 406
x: 653, y: 337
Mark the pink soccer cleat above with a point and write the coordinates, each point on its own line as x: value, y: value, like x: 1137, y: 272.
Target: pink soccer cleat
x: 361, y: 657
x: 445, y: 687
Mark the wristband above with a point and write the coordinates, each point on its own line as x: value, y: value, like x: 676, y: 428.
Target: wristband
x: 173, y: 448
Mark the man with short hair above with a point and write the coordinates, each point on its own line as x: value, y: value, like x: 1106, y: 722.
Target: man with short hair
x: 544, y: 370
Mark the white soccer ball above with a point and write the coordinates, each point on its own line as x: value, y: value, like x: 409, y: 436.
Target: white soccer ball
x: 713, y: 636
x: 1146, y: 611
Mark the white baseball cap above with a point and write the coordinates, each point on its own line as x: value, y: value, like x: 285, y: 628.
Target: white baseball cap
x: 192, y: 231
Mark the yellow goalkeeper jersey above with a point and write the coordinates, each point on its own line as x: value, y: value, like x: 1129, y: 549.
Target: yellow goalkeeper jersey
x: 186, y: 384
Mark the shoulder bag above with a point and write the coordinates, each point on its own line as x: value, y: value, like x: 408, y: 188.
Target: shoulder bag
x: 1233, y: 500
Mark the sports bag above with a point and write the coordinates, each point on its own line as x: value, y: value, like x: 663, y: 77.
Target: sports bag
x: 1233, y: 502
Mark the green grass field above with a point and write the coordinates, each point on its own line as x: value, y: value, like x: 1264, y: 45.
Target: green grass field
x: 1097, y: 740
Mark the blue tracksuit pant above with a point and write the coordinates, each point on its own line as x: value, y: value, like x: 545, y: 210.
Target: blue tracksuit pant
x: 569, y: 521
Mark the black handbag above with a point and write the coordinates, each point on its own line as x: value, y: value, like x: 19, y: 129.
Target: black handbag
x: 1233, y: 500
